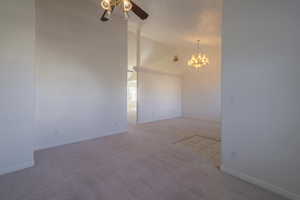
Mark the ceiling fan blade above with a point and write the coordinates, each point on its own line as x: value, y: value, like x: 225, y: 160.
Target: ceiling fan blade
x: 139, y: 11
x: 103, y: 17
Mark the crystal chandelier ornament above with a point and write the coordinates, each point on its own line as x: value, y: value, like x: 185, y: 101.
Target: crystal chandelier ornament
x: 198, y: 60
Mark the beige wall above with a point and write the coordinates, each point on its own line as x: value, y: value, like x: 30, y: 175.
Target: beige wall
x: 82, y: 72
x: 202, y: 89
x: 261, y: 112
x: 74, y: 88
x: 17, y: 20
x: 159, y: 95
x: 155, y: 55
x: 159, y: 79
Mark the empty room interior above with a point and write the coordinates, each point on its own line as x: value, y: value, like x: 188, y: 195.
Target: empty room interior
x: 149, y: 100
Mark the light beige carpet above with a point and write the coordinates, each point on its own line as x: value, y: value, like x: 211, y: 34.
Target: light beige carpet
x: 207, y: 147
x: 143, y: 164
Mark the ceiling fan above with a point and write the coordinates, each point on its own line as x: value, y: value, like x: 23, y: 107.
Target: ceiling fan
x: 127, y: 5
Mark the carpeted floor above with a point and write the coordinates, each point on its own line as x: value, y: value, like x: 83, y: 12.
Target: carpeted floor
x: 151, y: 162
x: 206, y: 147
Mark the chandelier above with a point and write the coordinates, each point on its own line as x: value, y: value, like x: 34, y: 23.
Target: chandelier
x: 109, y: 5
x: 198, y: 60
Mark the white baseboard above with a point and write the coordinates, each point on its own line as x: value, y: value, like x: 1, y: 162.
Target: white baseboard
x: 27, y: 164
x: 261, y: 183
x: 217, y: 121
x: 158, y: 119
x: 81, y: 139
x: 16, y: 167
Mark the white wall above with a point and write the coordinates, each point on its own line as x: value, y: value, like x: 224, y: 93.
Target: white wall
x: 82, y: 71
x: 202, y: 89
x: 17, y: 19
x: 132, y: 97
x: 155, y: 55
x: 261, y: 95
x: 159, y: 80
x: 159, y: 95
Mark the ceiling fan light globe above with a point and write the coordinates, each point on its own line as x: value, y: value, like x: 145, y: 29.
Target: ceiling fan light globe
x: 127, y: 5
x: 105, y: 4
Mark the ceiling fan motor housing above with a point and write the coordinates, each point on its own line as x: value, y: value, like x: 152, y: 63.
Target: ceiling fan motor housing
x: 128, y: 5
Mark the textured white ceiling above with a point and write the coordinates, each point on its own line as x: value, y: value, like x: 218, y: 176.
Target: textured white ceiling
x: 181, y: 22
x: 178, y: 22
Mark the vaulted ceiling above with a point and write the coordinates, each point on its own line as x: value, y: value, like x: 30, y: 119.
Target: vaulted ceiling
x: 181, y: 22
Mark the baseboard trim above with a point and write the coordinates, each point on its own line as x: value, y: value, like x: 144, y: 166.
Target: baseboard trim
x: 261, y: 183
x: 28, y: 164
x: 82, y: 139
x: 186, y: 116
x: 16, y: 167
x: 159, y: 119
